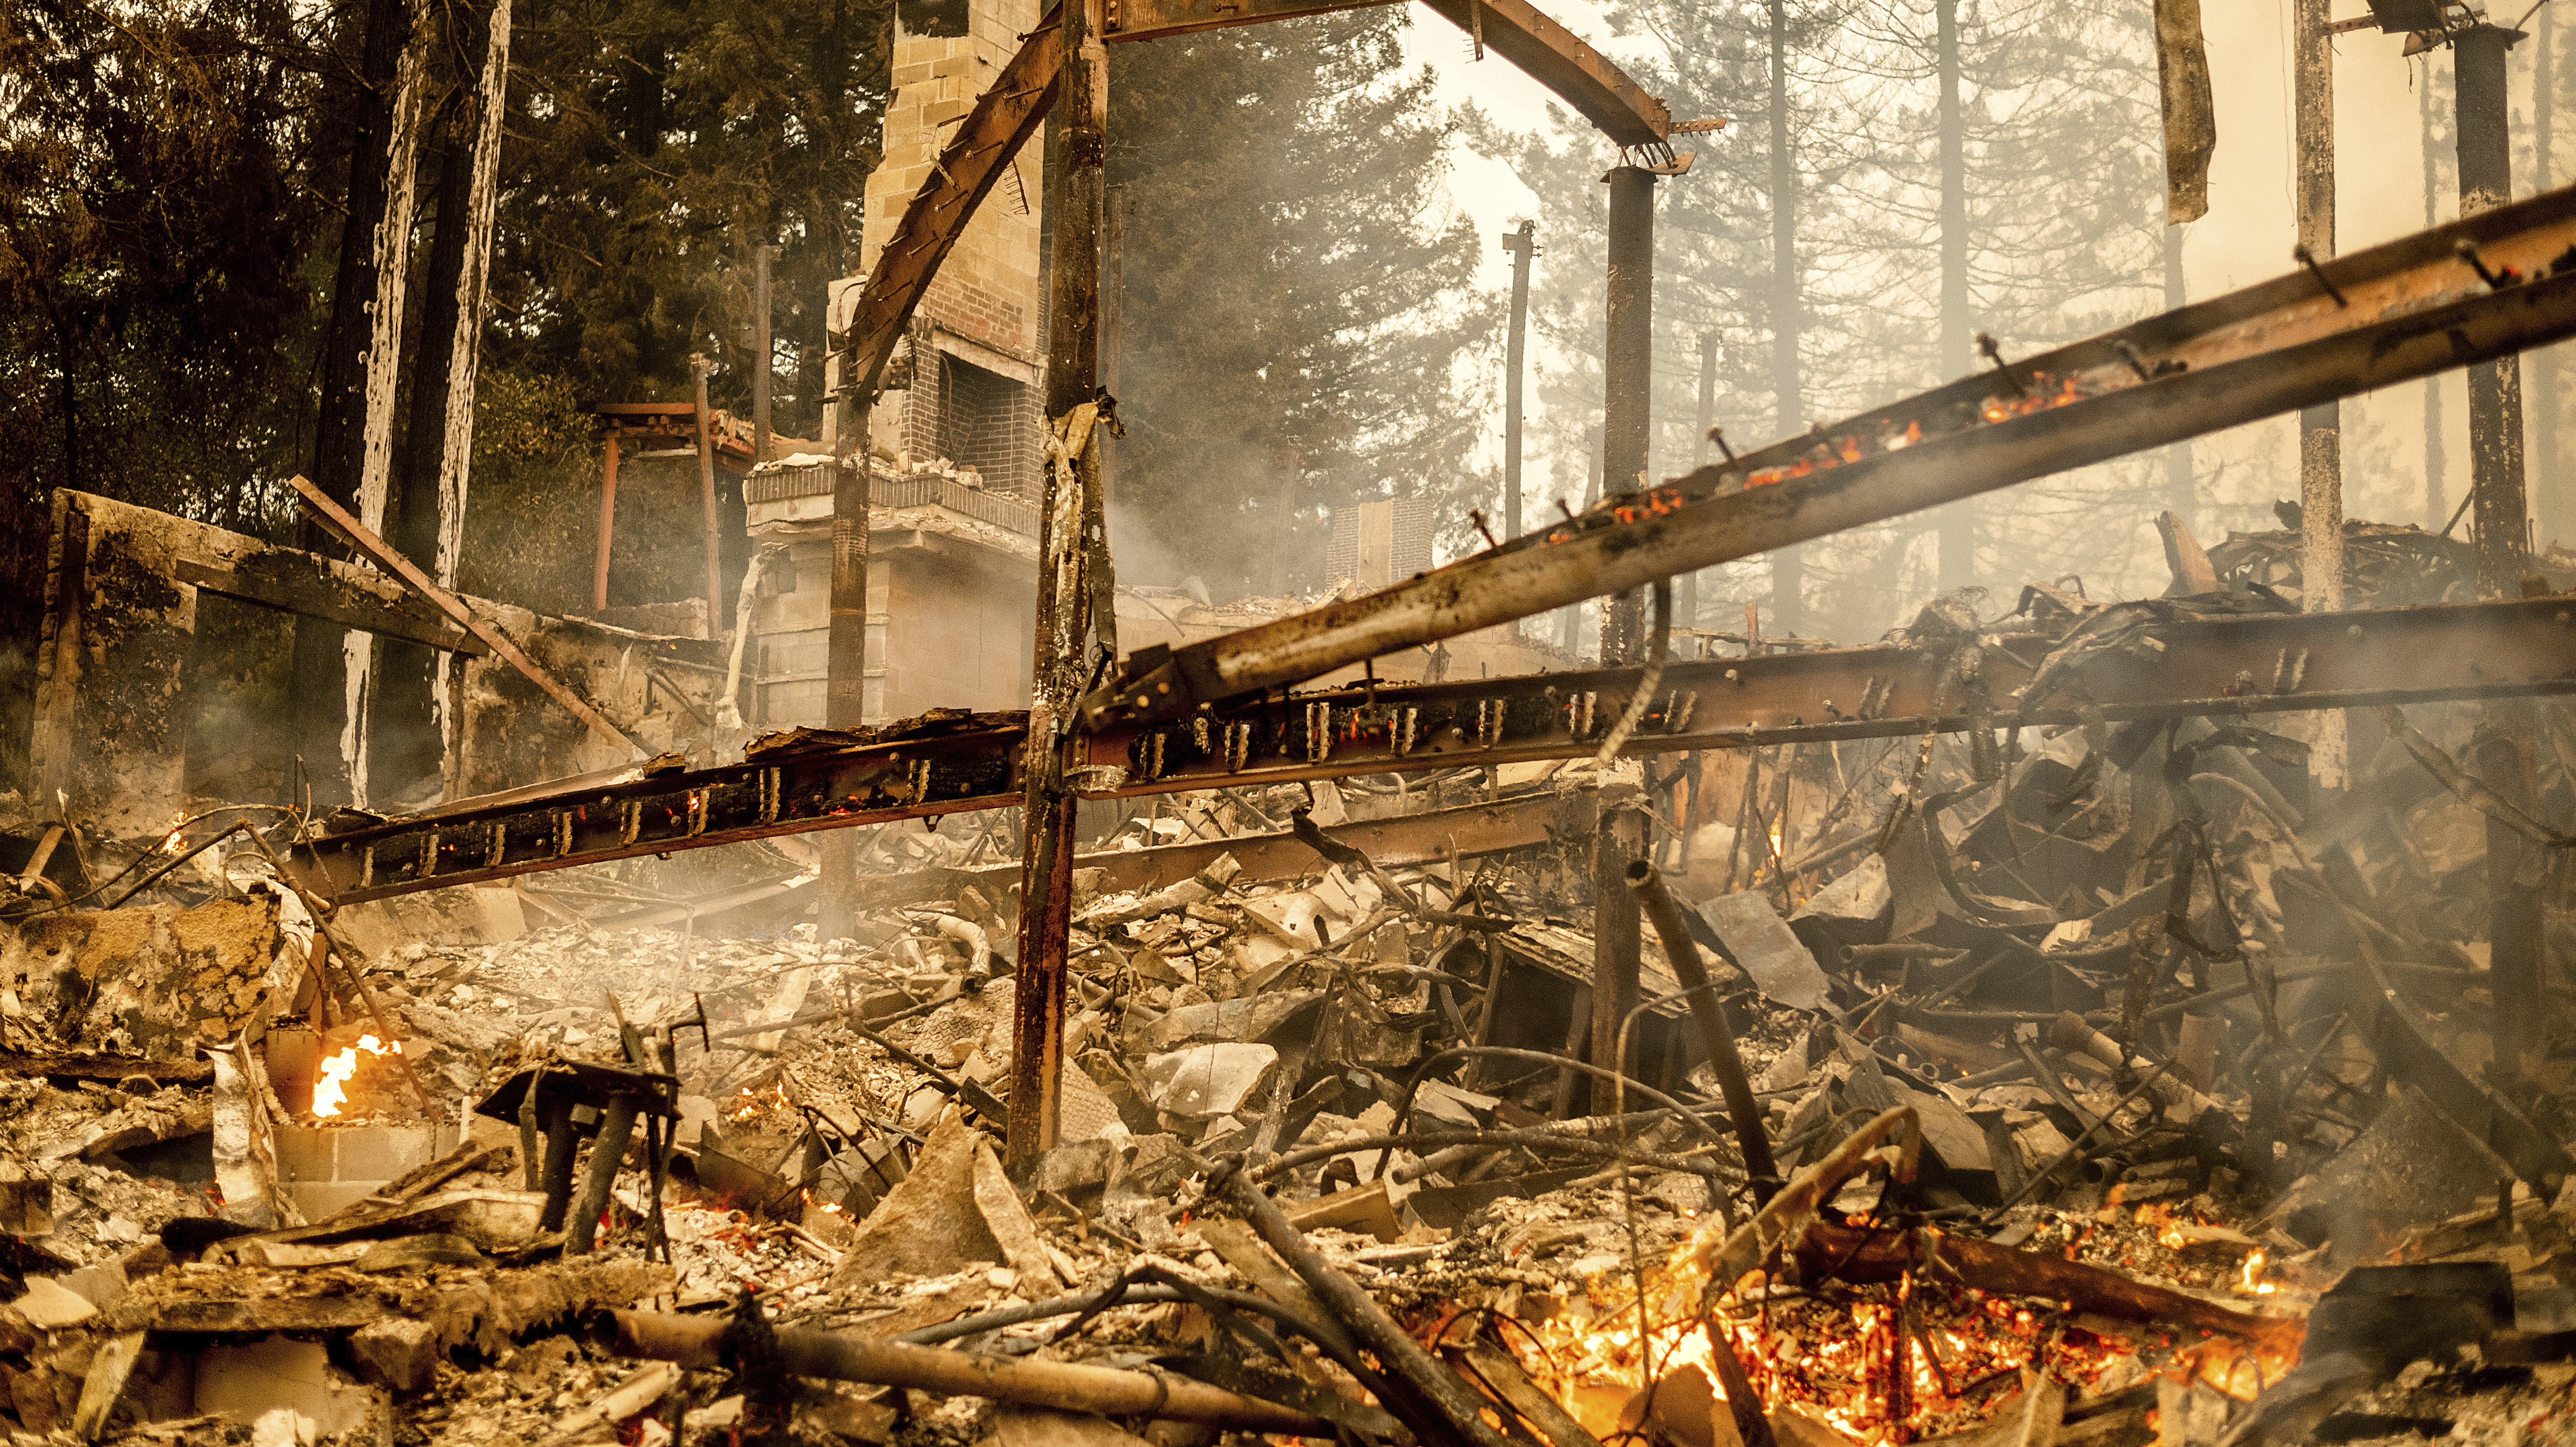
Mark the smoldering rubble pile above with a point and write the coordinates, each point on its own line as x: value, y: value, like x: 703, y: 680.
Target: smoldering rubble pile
x: 2104, y: 1088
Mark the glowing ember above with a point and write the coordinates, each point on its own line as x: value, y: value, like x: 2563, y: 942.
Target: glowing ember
x: 1834, y: 1353
x: 331, y: 1091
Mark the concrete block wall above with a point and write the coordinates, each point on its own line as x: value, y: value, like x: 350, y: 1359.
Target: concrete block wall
x: 325, y: 1167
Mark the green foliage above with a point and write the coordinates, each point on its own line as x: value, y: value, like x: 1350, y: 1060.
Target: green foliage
x: 1301, y: 324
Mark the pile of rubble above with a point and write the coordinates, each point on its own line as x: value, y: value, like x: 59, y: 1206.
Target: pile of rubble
x: 2103, y: 1088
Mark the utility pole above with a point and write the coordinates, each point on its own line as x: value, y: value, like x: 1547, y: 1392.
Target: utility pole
x: 2503, y: 749
x: 1956, y: 523
x: 2182, y: 495
x: 2436, y: 511
x: 2320, y: 427
x: 1788, y: 567
x: 845, y: 686
x: 761, y: 256
x: 1064, y: 624
x: 1686, y: 587
x: 1522, y: 244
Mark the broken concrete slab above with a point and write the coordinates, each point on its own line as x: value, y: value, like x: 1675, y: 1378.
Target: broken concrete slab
x: 1208, y: 1080
x: 1765, y: 948
x: 245, y: 1382
x: 50, y: 1306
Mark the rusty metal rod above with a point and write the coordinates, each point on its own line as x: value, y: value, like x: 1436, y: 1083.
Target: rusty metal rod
x: 1682, y: 952
x: 696, y: 1342
x: 1460, y: 1407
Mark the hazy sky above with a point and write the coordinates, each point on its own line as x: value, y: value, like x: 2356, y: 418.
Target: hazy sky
x: 2245, y: 238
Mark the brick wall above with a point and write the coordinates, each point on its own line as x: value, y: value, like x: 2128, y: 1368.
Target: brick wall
x: 987, y: 290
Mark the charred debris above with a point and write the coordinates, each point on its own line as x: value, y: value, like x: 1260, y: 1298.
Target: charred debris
x: 2105, y: 1083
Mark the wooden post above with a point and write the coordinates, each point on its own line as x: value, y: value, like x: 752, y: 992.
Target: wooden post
x: 607, y: 519
x: 1064, y: 595
x: 760, y: 349
x: 2321, y: 426
x: 699, y: 366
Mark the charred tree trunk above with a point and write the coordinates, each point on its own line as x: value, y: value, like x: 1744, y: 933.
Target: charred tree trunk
x: 406, y: 745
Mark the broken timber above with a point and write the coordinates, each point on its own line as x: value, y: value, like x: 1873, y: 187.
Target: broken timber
x: 2243, y: 665
x: 2410, y: 308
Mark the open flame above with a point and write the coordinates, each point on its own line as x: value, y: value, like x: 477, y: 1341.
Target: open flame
x: 753, y: 1103
x: 2161, y: 1220
x: 2252, y: 1281
x: 331, y: 1091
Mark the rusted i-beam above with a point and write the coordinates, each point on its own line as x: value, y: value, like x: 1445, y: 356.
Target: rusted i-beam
x: 2224, y: 667
x: 2408, y: 308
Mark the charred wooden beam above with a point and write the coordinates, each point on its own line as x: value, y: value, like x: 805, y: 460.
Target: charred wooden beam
x: 2410, y: 308
x: 2231, y: 666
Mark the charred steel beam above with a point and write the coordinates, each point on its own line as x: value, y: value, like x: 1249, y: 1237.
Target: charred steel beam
x: 1004, y: 117
x: 2406, y: 309
x: 2262, y: 663
x: 1513, y: 29
x: 1008, y: 112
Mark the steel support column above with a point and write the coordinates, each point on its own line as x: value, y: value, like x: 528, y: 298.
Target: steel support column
x: 1627, y: 383
x: 1063, y: 630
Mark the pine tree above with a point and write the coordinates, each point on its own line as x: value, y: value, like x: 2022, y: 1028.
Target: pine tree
x: 1297, y: 307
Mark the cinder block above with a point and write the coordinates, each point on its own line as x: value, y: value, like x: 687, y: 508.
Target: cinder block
x: 303, y: 1153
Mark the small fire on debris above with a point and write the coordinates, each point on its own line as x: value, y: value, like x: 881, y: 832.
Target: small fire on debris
x: 331, y: 1091
x: 754, y: 1103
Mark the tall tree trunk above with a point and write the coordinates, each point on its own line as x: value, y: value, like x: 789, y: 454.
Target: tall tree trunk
x: 2546, y: 504
x: 406, y: 743
x: 339, y: 425
x: 2436, y: 510
x: 1788, y: 566
x: 1958, y: 520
